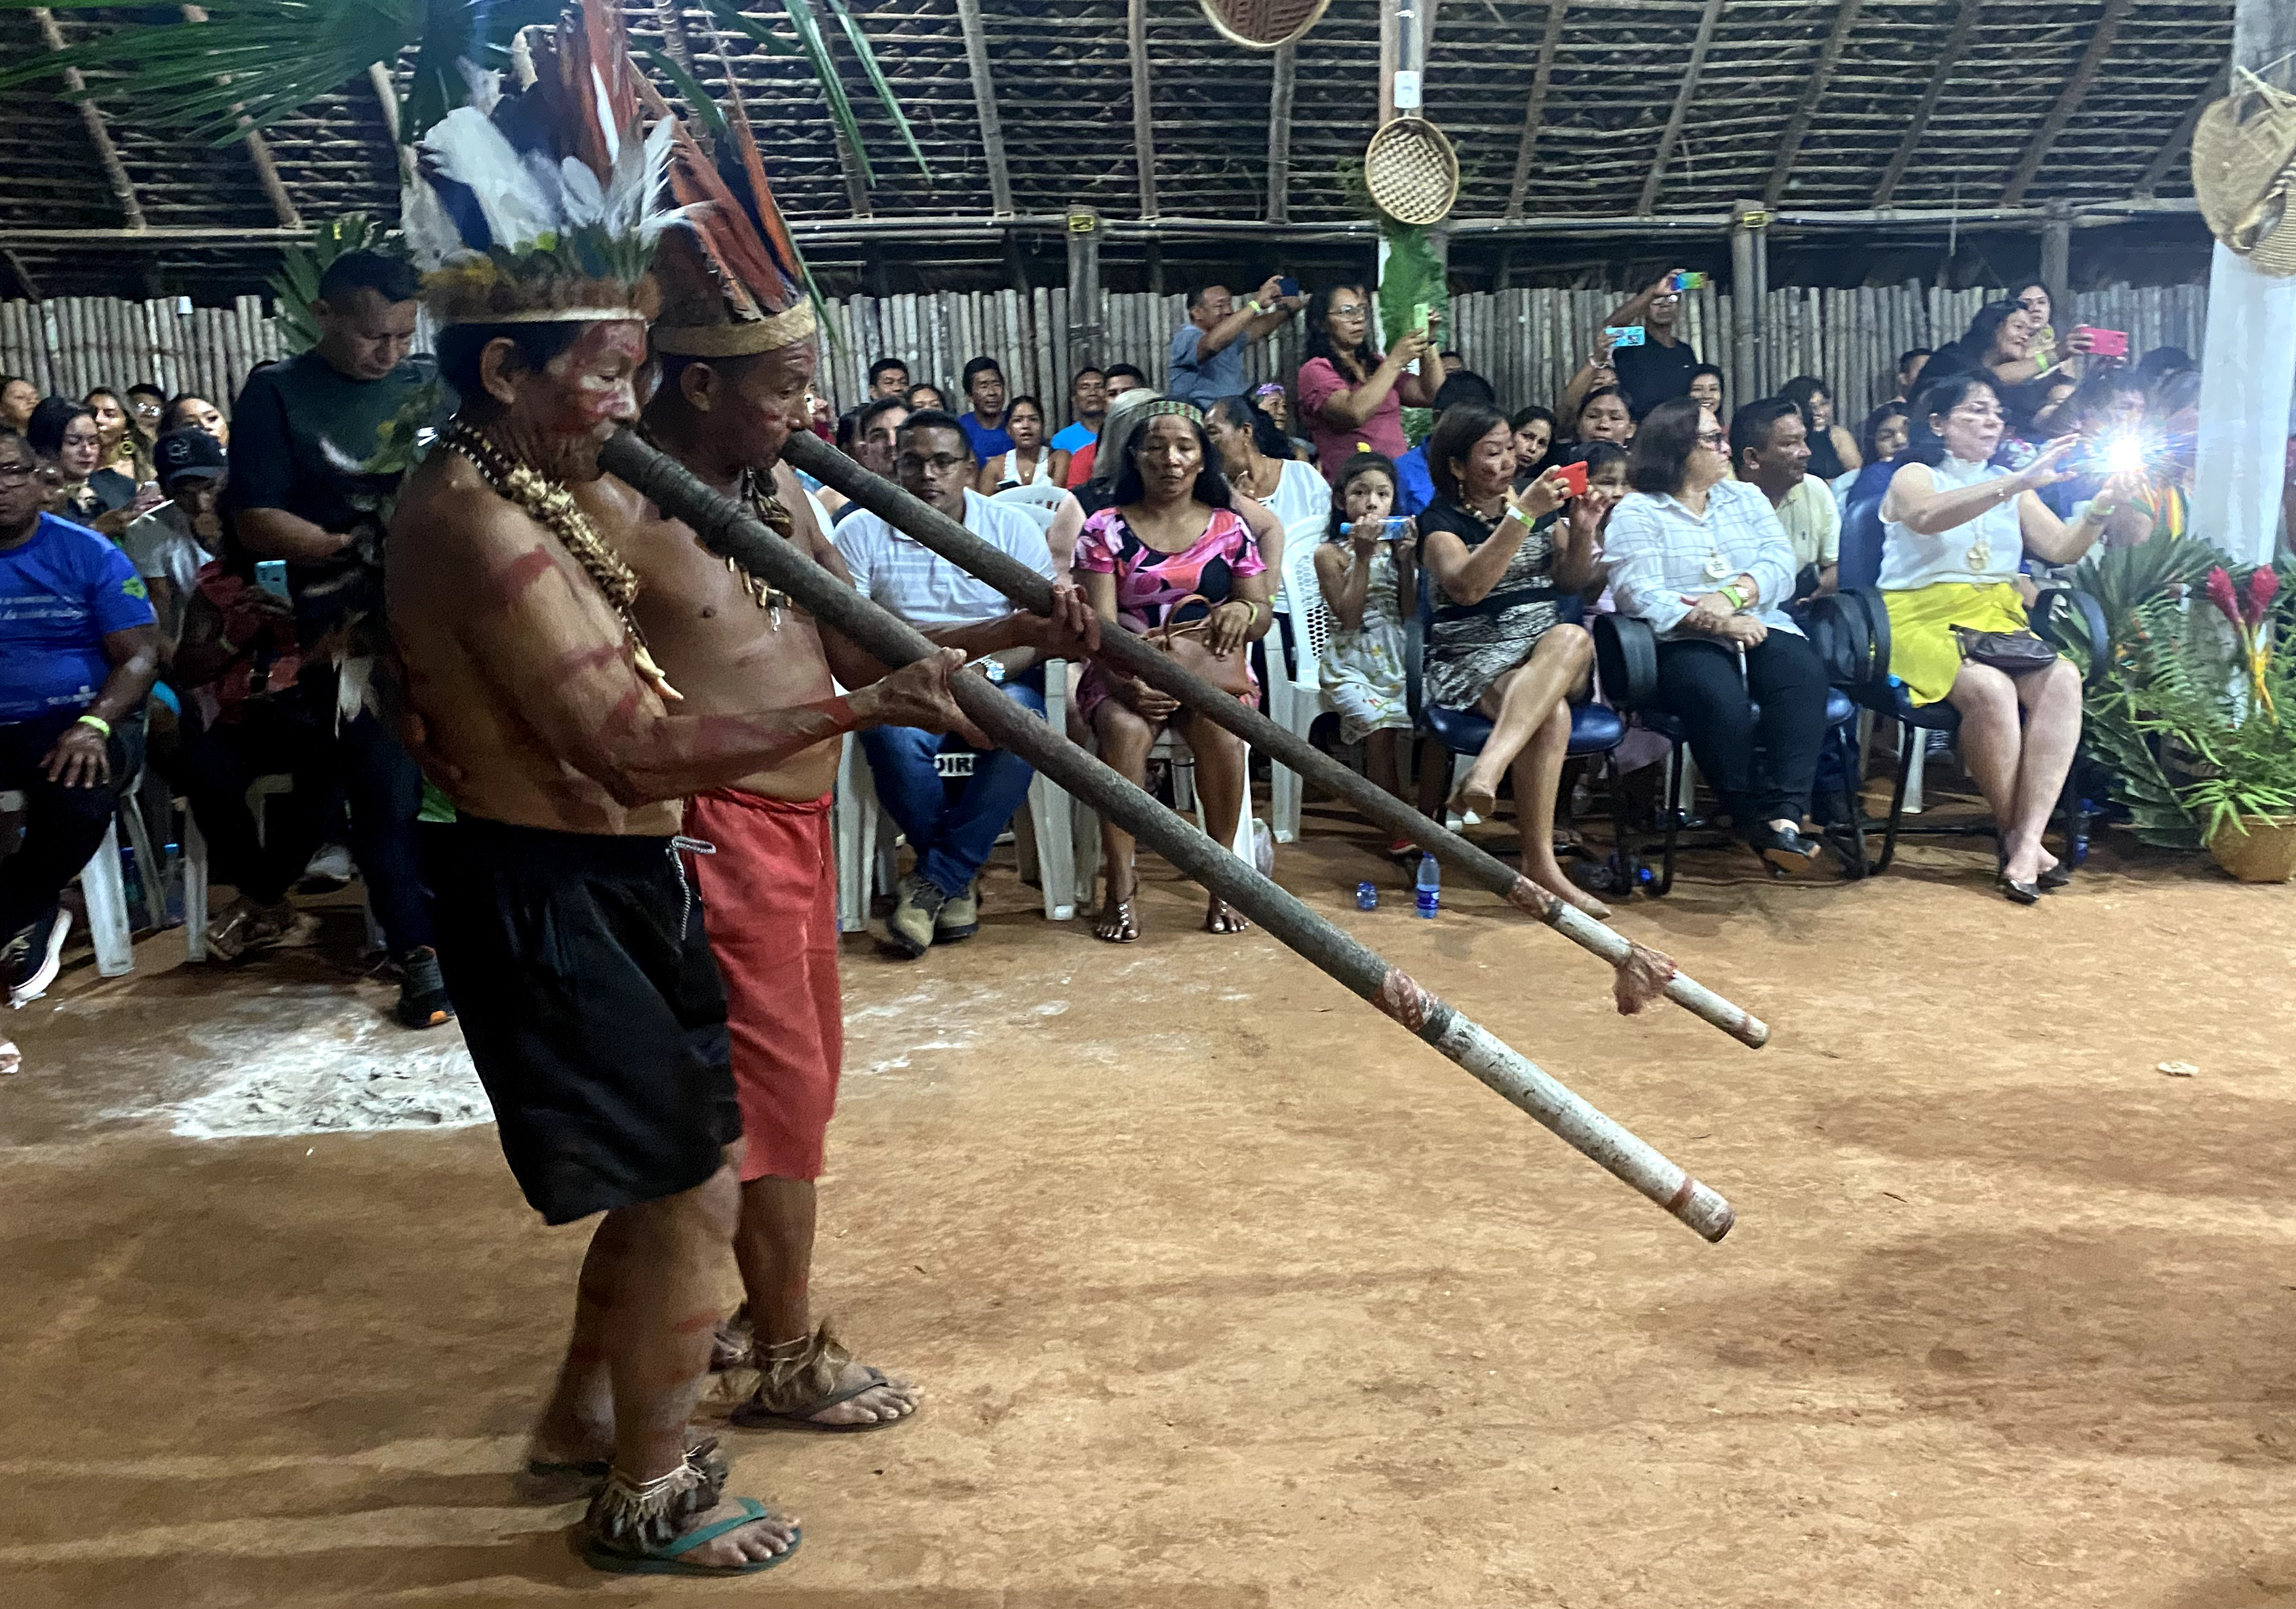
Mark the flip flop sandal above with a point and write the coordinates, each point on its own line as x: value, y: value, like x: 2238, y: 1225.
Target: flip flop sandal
x: 670, y: 1558
x: 754, y: 1415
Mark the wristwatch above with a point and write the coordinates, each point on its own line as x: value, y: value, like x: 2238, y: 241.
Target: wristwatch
x: 994, y: 670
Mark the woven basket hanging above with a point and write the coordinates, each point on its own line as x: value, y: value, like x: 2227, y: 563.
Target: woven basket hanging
x: 1412, y: 172
x: 2244, y: 173
x: 1263, y: 24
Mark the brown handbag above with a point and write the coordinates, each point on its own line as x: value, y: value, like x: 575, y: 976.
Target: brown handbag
x: 1230, y: 673
x: 2013, y: 652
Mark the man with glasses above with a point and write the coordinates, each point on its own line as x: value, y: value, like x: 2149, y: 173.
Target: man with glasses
x: 1662, y: 368
x: 939, y: 900
x: 78, y: 654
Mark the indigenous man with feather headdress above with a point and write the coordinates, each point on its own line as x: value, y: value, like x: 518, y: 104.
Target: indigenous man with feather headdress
x: 735, y: 345
x: 568, y: 927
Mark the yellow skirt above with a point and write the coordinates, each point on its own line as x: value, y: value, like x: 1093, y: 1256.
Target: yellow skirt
x: 1923, y: 652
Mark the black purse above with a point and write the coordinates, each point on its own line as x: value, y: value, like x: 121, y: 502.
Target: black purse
x: 2013, y: 652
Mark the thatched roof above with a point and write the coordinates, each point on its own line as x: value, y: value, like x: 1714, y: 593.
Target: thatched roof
x: 1817, y: 106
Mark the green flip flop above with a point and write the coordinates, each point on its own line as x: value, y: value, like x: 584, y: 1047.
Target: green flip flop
x: 670, y: 1560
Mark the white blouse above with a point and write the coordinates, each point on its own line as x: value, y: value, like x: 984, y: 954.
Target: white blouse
x: 1300, y: 494
x: 1982, y: 552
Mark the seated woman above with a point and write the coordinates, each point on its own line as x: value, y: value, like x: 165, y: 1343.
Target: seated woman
x: 1534, y: 442
x: 1172, y: 536
x: 64, y: 434
x: 1832, y: 449
x: 1254, y: 457
x: 1703, y: 560
x: 1272, y: 399
x: 1706, y: 389
x: 1954, y: 529
x: 1030, y: 463
x: 1608, y: 416
x: 1498, y: 569
x: 1369, y: 580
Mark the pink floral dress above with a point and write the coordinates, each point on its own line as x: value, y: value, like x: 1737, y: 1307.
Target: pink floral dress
x: 1149, y: 581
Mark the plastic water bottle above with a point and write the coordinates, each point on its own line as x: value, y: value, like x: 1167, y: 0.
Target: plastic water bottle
x: 1366, y: 895
x: 1429, y: 887
x: 131, y: 881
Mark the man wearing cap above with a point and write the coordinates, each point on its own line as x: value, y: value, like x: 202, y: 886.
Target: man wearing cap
x: 169, y: 543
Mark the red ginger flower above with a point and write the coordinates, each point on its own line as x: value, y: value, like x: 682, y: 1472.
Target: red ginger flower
x: 2220, y: 594
x: 2263, y: 587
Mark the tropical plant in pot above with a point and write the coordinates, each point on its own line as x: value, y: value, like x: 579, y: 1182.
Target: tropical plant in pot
x: 2196, y: 717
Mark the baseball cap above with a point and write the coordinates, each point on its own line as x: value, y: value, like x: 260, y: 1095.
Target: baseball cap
x: 188, y: 454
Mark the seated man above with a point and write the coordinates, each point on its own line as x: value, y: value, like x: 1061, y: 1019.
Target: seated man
x: 934, y: 461
x: 77, y: 652
x: 169, y: 543
x: 1769, y: 448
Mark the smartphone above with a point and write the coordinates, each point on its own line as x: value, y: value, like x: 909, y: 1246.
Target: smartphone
x: 271, y: 575
x: 1574, y: 478
x: 1287, y: 286
x: 1419, y: 312
x: 1684, y: 279
x: 1625, y: 335
x: 2104, y: 343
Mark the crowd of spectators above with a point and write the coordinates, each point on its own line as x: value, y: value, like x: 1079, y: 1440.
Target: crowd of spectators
x: 198, y: 599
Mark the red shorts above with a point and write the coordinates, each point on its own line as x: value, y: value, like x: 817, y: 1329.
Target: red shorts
x: 769, y: 898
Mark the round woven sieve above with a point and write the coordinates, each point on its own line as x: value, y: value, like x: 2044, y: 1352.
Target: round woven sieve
x: 1412, y: 171
x: 1264, y: 24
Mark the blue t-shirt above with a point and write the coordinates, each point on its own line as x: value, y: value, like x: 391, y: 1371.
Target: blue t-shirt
x: 60, y: 594
x: 985, y: 443
x: 1415, y: 487
x: 1204, y: 382
x: 1075, y: 437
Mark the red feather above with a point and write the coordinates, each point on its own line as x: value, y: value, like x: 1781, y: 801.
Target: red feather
x: 744, y: 266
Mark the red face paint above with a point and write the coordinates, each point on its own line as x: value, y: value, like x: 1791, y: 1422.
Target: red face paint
x: 591, y: 380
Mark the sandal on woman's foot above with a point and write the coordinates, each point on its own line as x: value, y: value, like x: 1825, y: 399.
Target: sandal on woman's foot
x: 1117, y: 923
x: 1221, y: 917
x: 1469, y: 800
x: 796, y: 1389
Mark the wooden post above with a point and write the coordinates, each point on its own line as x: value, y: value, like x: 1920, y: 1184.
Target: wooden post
x: 2249, y: 357
x: 1745, y: 302
x: 1279, y: 137
x: 1128, y: 653
x: 1084, y: 311
x: 386, y: 98
x: 2057, y: 260
x: 1144, y: 109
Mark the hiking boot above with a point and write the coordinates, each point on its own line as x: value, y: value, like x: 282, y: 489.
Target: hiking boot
x: 30, y: 961
x: 960, y: 915
x: 422, y: 1001
x: 909, y: 929
x: 245, y: 925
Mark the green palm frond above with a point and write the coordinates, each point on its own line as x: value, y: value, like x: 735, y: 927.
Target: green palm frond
x: 296, y: 286
x: 859, y: 41
x: 264, y: 59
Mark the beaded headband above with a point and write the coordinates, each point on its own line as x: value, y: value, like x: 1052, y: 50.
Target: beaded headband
x: 1173, y: 408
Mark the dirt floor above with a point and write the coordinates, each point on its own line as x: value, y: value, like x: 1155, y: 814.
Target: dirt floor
x: 1224, y: 1293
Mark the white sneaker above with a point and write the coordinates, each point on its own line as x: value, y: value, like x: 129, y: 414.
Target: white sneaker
x: 51, y: 961
x: 333, y: 864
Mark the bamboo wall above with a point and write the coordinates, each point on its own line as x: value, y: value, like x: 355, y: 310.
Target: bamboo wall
x: 1526, y: 342
x: 69, y: 345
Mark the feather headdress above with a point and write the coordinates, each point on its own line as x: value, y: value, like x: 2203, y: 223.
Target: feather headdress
x: 732, y: 282
x: 541, y: 205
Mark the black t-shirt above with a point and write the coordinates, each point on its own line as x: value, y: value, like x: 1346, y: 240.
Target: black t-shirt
x: 1652, y: 374
x: 101, y: 493
x: 300, y: 433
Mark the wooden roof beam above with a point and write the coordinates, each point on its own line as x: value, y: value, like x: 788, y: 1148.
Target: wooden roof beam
x: 1279, y: 136
x: 259, y: 149
x: 984, y: 98
x: 1806, y: 112
x: 1964, y: 23
x: 2181, y: 141
x: 91, y: 116
x: 1143, y: 111
x: 1656, y: 177
x: 2069, y: 101
x: 1537, y: 109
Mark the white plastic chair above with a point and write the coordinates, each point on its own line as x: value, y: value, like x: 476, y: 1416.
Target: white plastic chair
x: 259, y: 792
x: 1170, y: 747
x: 1295, y: 692
x: 866, y: 841
x: 1045, y: 497
x: 106, y: 893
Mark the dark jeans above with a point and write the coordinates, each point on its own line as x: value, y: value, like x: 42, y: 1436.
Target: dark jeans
x: 217, y: 767
x: 383, y: 787
x: 1762, y: 765
x: 951, y: 840
x: 63, y: 826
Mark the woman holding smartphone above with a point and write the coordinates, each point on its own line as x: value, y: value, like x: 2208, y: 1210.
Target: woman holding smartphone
x: 1498, y: 569
x: 1349, y: 394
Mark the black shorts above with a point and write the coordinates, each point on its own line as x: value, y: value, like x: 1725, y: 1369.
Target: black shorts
x: 590, y: 1003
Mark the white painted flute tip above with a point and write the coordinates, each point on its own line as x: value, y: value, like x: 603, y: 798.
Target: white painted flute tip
x: 1703, y: 1209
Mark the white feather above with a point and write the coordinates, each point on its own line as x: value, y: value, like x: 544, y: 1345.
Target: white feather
x: 518, y: 201
x: 584, y: 197
x: 431, y: 236
x: 605, y: 119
